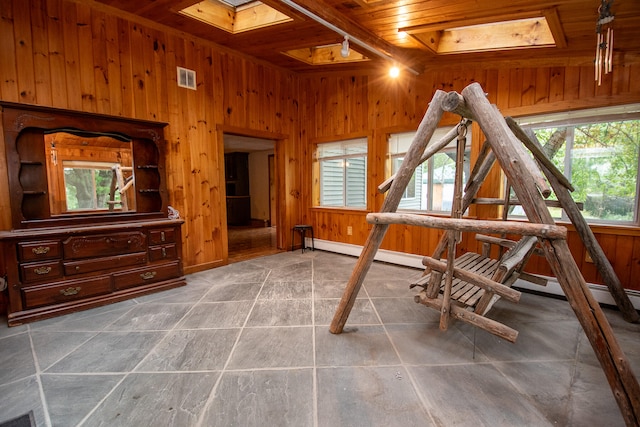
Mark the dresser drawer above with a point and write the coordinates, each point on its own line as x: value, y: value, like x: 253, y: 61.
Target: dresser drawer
x: 101, y: 245
x: 165, y: 252
x: 141, y: 276
x: 35, y: 251
x: 105, y: 263
x: 69, y: 290
x: 40, y: 271
x: 160, y: 236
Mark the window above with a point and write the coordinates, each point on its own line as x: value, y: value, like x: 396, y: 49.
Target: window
x: 341, y: 169
x: 431, y: 186
x: 600, y: 158
x: 88, y: 185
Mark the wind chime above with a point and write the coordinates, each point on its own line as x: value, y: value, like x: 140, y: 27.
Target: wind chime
x: 604, y: 42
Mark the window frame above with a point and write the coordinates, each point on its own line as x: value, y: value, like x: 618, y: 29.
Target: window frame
x: 429, y: 173
x: 317, y: 171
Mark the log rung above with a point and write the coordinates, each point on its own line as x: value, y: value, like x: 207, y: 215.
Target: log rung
x: 457, y: 312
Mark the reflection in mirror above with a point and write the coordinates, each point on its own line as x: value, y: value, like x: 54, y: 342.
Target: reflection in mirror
x: 89, y: 172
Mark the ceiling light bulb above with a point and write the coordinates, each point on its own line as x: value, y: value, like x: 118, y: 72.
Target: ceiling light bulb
x: 344, y: 52
x: 394, y: 71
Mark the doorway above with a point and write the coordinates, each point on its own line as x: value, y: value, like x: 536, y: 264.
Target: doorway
x: 251, y: 197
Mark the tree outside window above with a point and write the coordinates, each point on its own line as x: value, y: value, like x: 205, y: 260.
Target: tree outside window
x: 600, y: 158
x: 88, y: 184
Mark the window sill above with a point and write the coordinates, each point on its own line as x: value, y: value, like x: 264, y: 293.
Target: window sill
x: 336, y: 209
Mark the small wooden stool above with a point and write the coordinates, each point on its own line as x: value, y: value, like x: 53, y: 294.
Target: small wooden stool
x: 302, y: 229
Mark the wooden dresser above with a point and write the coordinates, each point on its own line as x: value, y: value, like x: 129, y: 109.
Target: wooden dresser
x: 56, y: 271
x: 89, y: 212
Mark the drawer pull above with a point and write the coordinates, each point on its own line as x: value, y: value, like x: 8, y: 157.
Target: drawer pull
x: 70, y: 291
x: 164, y: 253
x: 41, y: 250
x: 42, y: 270
x: 148, y: 275
x: 162, y: 236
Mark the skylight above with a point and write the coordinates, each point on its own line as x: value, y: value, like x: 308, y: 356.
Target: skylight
x: 517, y: 31
x: 235, y: 16
x: 236, y: 3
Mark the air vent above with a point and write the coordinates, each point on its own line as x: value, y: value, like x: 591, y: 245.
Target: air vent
x: 186, y: 78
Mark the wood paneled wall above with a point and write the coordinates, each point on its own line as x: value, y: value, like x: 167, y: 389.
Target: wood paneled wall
x: 339, y: 105
x: 86, y: 57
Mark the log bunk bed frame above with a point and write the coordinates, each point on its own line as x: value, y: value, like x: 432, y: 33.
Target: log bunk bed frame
x: 465, y: 288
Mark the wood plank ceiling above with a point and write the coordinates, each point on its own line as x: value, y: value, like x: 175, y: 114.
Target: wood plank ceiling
x: 377, y: 23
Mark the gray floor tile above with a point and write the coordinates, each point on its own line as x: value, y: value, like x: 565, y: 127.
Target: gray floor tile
x: 389, y: 288
x: 426, y: 344
x: 231, y: 314
x: 184, y: 294
x: 556, y: 340
x: 96, y: 319
x: 169, y: 399
x: 51, y: 346
x: 242, y: 272
x: 109, y: 352
x: 16, y: 358
x: 232, y: 291
x: 6, y: 331
x: 592, y: 402
x: 532, y: 308
x: 263, y: 398
x: 293, y: 272
x: 395, y: 273
x: 281, y: 313
x: 150, y: 317
x: 368, y: 397
x: 239, y: 325
x: 191, y: 350
x: 546, y: 384
x: 474, y: 395
x: 362, y: 312
x: 286, y: 290
x: 340, y: 272
x: 355, y: 346
x: 404, y: 310
x: 20, y: 397
x: 333, y: 289
x: 71, y: 397
x: 273, y: 348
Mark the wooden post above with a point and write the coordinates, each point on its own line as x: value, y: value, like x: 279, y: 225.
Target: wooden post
x: 453, y: 236
x: 407, y: 168
x: 600, y: 260
x: 616, y: 367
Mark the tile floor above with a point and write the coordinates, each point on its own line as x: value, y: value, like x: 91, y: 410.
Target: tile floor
x: 248, y: 345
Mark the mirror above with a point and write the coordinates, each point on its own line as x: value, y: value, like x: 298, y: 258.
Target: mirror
x: 89, y: 172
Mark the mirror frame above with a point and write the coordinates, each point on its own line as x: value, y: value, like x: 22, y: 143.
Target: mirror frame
x: 24, y: 127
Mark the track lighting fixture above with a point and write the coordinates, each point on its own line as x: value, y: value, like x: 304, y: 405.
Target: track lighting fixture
x: 338, y: 30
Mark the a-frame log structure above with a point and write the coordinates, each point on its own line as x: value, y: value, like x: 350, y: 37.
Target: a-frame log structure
x: 505, y: 145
